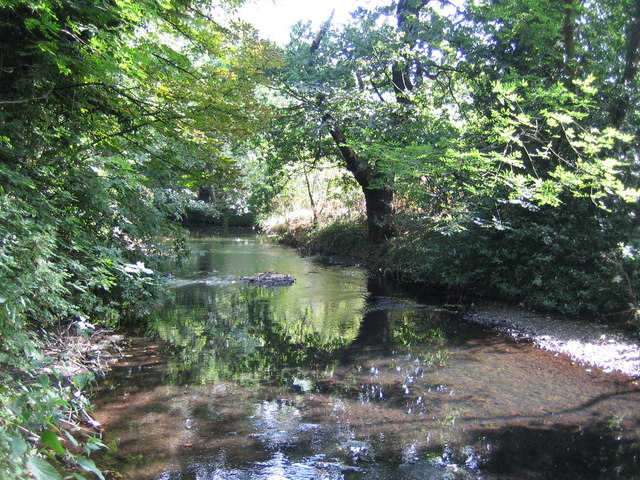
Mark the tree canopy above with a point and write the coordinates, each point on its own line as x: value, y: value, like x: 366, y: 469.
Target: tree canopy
x: 501, y: 133
x: 104, y: 106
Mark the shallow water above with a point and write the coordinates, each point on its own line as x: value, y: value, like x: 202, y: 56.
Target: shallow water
x: 344, y: 377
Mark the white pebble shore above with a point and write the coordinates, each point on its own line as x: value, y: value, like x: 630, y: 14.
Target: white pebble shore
x: 600, y: 347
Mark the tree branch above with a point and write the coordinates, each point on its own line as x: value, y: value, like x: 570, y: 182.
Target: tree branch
x: 323, y: 31
x: 175, y: 65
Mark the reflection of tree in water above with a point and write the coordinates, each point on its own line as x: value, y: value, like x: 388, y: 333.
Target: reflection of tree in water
x: 389, y: 362
x: 288, y: 341
x: 252, y: 333
x: 235, y: 333
x: 390, y: 327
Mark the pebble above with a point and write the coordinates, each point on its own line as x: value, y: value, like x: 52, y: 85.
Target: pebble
x: 592, y: 345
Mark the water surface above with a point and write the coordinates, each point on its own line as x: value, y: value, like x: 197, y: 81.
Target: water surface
x: 341, y: 376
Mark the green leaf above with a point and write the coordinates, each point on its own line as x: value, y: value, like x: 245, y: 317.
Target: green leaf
x: 71, y: 438
x: 80, y: 381
x: 94, y: 444
x: 18, y: 446
x: 42, y: 470
x: 50, y: 439
x: 90, y: 466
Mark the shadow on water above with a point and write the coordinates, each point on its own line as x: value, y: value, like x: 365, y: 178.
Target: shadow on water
x: 563, y: 452
x: 344, y: 377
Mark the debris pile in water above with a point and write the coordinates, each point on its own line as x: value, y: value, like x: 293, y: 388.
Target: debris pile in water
x: 269, y: 279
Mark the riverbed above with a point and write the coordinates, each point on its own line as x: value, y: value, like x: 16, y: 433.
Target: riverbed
x: 343, y: 376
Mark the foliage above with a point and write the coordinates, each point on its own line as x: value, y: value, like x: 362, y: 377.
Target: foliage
x: 36, y: 410
x: 342, y: 237
x: 536, y: 264
x: 507, y: 136
x: 539, y: 218
x: 504, y: 131
x: 104, y: 106
x: 342, y: 100
x: 316, y: 193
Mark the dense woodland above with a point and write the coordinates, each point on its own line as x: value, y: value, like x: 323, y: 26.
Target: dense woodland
x: 488, y: 148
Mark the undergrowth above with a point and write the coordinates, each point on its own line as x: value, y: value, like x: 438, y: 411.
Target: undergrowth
x: 567, y: 271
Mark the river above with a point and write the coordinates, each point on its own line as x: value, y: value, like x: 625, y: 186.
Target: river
x: 343, y: 376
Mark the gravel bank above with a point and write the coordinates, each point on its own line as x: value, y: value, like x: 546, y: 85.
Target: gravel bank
x: 589, y: 344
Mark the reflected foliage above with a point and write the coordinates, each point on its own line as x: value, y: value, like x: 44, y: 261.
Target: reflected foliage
x: 218, y: 328
x: 239, y: 334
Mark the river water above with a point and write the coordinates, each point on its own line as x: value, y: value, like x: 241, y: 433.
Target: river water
x: 341, y: 376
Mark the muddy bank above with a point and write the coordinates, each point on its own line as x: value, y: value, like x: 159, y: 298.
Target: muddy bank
x: 593, y: 345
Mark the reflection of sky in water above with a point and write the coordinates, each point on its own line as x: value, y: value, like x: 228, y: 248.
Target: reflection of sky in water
x: 318, y: 467
x: 277, y: 423
x: 278, y: 467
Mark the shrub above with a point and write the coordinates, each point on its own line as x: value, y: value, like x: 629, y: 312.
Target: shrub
x: 343, y: 238
x: 555, y: 260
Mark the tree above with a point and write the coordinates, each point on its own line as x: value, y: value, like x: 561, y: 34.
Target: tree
x: 359, y: 85
x: 545, y: 194
x: 505, y: 127
x: 99, y: 103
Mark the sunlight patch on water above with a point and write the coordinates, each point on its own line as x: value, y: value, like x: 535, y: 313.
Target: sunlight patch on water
x: 280, y: 467
x: 277, y: 423
x: 211, y: 281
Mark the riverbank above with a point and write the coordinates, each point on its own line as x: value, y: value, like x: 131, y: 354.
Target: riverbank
x: 594, y: 345
x: 82, y: 352
x: 597, y: 346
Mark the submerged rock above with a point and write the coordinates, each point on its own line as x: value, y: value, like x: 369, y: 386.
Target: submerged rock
x: 269, y: 279
x: 357, y: 451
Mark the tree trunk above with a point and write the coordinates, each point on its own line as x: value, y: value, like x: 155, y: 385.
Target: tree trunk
x: 407, y: 14
x: 379, y: 205
x: 312, y: 202
x: 206, y: 194
x: 632, y: 60
x: 378, y: 200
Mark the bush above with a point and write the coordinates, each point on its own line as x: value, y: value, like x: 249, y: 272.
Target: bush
x: 555, y: 259
x: 342, y: 238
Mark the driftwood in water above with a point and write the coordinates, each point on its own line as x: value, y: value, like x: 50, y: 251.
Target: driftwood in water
x: 269, y: 279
